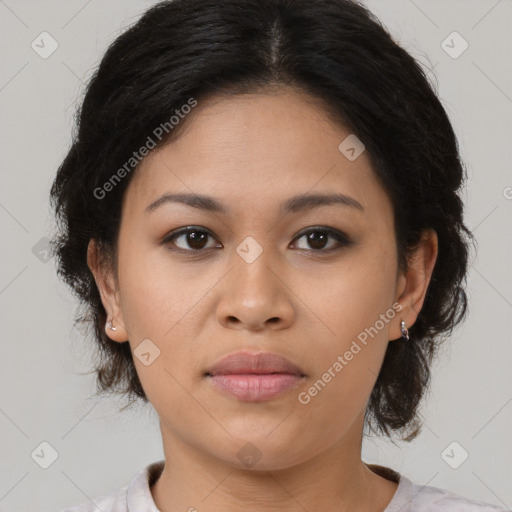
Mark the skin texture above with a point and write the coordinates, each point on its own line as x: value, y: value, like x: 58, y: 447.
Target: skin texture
x: 251, y: 153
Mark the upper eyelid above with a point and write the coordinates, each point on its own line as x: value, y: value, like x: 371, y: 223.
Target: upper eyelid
x: 302, y: 232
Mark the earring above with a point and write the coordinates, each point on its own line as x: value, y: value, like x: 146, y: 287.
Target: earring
x: 110, y: 326
x: 405, y: 332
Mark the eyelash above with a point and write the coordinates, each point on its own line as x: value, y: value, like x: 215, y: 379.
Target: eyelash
x: 343, y: 240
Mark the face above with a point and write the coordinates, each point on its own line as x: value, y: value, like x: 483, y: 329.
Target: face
x: 317, y: 284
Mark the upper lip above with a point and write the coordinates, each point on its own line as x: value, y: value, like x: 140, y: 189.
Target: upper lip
x: 239, y: 363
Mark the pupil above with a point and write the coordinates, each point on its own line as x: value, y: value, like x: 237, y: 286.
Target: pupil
x: 317, y: 242
x: 196, y: 236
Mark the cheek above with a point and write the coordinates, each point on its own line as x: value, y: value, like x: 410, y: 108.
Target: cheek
x: 347, y: 361
x: 353, y: 298
x: 160, y: 304
x: 155, y: 294
x: 353, y: 315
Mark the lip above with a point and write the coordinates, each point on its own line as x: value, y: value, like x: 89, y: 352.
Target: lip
x: 255, y: 377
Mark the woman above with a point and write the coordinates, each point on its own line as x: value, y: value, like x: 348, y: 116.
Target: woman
x: 260, y: 211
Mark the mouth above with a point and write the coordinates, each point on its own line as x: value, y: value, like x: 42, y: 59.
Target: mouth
x: 255, y: 377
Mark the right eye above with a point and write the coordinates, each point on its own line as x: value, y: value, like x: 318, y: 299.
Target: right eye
x: 192, y: 236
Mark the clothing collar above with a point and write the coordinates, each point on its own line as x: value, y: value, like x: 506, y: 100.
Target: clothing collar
x: 140, y: 499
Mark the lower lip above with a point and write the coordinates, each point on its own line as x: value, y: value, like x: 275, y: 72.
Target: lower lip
x: 256, y: 387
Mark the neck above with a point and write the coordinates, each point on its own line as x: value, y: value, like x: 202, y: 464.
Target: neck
x: 336, y: 479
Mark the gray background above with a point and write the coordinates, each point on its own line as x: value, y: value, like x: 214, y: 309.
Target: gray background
x: 44, y: 396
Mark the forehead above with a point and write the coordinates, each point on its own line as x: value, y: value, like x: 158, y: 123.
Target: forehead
x: 255, y: 150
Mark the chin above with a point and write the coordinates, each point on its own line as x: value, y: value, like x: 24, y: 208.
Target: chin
x: 261, y: 453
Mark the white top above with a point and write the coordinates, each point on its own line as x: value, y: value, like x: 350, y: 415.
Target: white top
x: 409, y: 497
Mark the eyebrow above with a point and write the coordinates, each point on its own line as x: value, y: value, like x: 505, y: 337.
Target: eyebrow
x: 294, y: 204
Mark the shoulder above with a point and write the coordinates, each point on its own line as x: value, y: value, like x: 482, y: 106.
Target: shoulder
x: 412, y: 497
x: 136, y: 496
x: 435, y: 499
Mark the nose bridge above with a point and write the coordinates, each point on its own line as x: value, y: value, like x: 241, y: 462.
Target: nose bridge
x: 254, y: 261
x: 253, y: 293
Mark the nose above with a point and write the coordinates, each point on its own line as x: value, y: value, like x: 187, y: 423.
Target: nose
x: 255, y: 296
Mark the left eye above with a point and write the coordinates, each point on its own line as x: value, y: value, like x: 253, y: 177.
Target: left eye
x: 316, y: 237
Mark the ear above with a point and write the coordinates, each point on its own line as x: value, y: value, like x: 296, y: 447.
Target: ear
x: 412, y: 285
x: 105, y: 281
